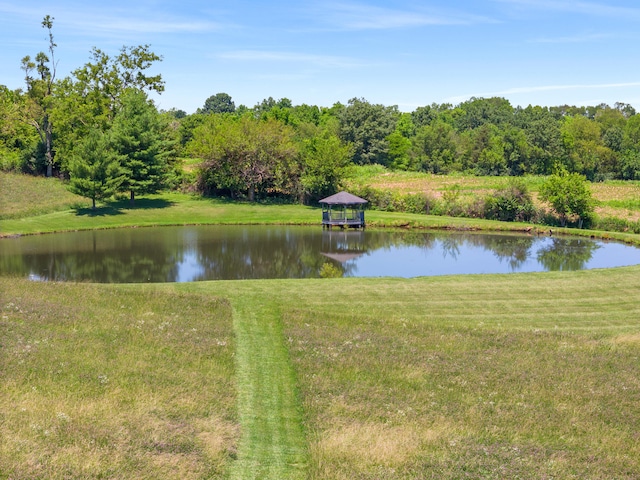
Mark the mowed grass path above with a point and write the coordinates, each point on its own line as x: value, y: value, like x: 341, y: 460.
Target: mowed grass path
x: 272, y: 444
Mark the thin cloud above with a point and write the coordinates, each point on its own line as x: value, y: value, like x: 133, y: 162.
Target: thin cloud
x: 109, y: 25
x: 588, y: 38
x: 583, y: 8
x: 20, y: 10
x: 90, y: 19
x: 357, y: 16
x: 292, y: 57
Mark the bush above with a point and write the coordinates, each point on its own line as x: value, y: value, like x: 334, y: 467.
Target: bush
x: 11, y: 161
x: 570, y: 197
x: 418, y: 203
x: 614, y: 224
x: 390, y: 201
x: 510, y: 204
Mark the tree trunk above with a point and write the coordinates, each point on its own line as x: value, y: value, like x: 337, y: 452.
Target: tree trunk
x: 132, y: 198
x: 48, y: 145
x: 252, y: 193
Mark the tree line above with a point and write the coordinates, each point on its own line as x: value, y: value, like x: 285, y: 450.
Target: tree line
x: 99, y: 129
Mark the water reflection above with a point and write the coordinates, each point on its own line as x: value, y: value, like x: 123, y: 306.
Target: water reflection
x: 185, y: 254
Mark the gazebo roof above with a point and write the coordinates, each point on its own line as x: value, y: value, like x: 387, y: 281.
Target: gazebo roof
x: 342, y: 257
x: 343, y: 198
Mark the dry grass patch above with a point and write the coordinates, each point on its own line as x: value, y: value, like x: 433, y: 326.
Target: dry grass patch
x: 623, y: 213
x: 377, y: 443
x: 616, y: 190
x: 627, y: 338
x: 411, y: 182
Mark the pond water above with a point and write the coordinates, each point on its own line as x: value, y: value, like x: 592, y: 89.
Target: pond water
x: 187, y: 254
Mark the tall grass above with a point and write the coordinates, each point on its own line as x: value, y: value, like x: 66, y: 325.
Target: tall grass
x: 101, y: 382
x: 24, y: 195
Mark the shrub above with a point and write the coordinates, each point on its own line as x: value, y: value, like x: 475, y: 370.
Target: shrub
x: 418, y: 203
x: 615, y: 224
x: 512, y: 203
x: 569, y: 195
x: 11, y: 161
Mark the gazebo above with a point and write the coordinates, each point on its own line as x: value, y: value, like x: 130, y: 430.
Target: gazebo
x: 343, y: 210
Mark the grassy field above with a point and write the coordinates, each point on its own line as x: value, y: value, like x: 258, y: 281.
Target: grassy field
x: 499, y: 376
x: 479, y: 376
x: 102, y: 382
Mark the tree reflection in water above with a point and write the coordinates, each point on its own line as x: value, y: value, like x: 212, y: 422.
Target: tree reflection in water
x: 566, y: 254
x: 180, y: 254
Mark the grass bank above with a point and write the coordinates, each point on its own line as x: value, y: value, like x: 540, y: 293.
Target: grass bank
x: 67, y: 213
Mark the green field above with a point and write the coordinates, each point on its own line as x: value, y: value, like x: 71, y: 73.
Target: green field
x: 479, y: 376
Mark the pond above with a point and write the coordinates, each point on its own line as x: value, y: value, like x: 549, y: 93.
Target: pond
x: 187, y: 254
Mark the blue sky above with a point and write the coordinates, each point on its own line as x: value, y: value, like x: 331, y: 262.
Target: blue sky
x: 407, y: 53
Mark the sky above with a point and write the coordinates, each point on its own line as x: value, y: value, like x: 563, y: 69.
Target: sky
x: 408, y: 53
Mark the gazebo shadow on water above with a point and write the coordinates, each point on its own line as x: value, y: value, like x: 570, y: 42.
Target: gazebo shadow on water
x: 343, y: 210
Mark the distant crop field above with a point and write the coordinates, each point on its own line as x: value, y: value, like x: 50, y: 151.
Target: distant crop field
x: 615, y: 198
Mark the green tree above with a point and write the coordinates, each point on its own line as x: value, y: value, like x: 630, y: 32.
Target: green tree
x: 324, y: 163
x: 139, y: 139
x: 91, y: 97
x: 268, y: 104
x: 582, y: 140
x: 219, y: 103
x: 109, y: 77
x: 630, y: 165
x: 422, y: 116
x: 631, y: 136
x: 400, y: 143
x: 435, y: 147
x: 367, y: 127
x: 40, y: 91
x: 482, y: 111
x: 94, y: 169
x: 17, y: 139
x: 542, y: 130
x: 518, y: 153
x: 482, y: 150
x: 569, y: 195
x: 245, y: 155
